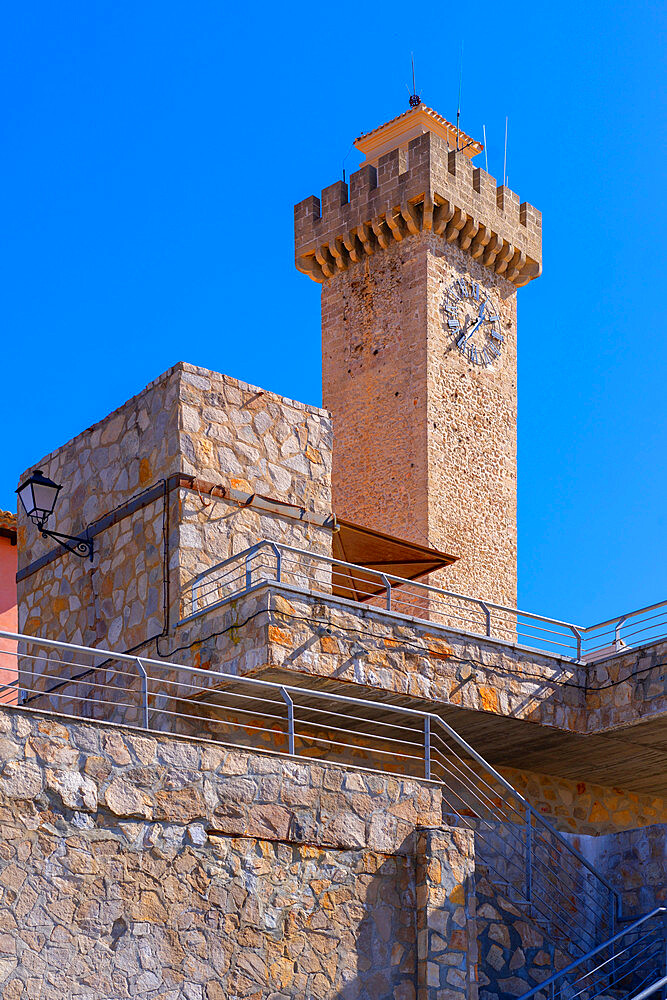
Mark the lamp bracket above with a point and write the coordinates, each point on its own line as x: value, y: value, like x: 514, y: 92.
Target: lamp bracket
x: 73, y: 543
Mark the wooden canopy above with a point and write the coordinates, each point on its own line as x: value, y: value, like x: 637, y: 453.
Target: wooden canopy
x: 374, y: 550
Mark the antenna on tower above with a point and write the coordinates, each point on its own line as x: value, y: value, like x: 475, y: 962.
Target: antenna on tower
x: 458, y: 107
x: 505, y: 160
x: 486, y: 152
x: 345, y: 160
x: 415, y: 99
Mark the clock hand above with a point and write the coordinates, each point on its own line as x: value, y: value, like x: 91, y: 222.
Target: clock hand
x: 480, y: 318
x: 479, y: 322
x: 464, y: 334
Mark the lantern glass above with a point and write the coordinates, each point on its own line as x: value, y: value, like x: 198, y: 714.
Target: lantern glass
x: 38, y: 495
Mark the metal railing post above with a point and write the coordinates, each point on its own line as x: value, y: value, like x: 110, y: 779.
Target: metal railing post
x: 248, y: 568
x: 487, y: 614
x: 290, y: 719
x: 577, y: 634
x: 144, y: 692
x: 529, y: 857
x: 427, y: 747
x: 617, y: 631
x: 387, y: 585
x: 279, y: 561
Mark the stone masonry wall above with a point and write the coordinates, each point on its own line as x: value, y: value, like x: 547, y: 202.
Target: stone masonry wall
x: 366, y: 646
x: 362, y: 644
x: 425, y: 442
x: 374, y: 382
x: 202, y: 867
x: 584, y: 807
x: 446, y: 929
x: 515, y: 952
x: 472, y: 446
x: 627, y: 687
x: 634, y: 861
x: 257, y: 442
x: 190, y: 421
x: 121, y: 591
x: 162, y: 869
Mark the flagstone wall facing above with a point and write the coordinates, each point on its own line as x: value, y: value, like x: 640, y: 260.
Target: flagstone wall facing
x: 163, y: 869
x: 188, y: 422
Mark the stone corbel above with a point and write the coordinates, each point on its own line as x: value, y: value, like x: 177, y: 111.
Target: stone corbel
x: 530, y: 271
x: 455, y: 226
x: 325, y: 260
x: 351, y: 244
x: 338, y: 253
x: 468, y: 233
x: 515, y: 265
x: 411, y: 218
x: 427, y: 217
x: 309, y: 266
x: 480, y: 242
x: 365, y: 238
x: 395, y: 224
x: 503, y: 258
x: 442, y: 215
x: 381, y: 234
x: 493, y: 247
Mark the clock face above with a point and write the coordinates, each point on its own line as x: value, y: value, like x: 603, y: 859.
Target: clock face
x: 473, y: 322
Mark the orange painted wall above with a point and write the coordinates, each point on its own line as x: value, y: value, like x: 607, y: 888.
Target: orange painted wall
x: 8, y: 620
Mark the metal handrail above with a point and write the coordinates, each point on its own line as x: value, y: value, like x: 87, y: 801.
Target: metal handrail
x: 246, y: 554
x: 651, y: 989
x: 592, y: 953
x: 580, y: 633
x: 387, y: 580
x: 626, y: 615
x: 402, y: 581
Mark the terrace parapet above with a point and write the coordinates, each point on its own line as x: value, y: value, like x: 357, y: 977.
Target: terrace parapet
x: 282, y: 633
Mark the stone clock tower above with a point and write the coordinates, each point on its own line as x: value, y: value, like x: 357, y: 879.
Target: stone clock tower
x: 419, y: 262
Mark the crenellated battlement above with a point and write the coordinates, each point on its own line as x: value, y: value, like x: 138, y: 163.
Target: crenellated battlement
x: 426, y: 187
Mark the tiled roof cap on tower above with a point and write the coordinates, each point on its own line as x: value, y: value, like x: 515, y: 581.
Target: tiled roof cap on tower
x: 400, y: 130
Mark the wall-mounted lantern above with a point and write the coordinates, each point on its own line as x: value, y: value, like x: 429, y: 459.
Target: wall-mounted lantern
x: 38, y: 495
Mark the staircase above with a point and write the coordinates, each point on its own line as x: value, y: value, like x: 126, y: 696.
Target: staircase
x: 572, y: 941
x: 631, y: 964
x: 528, y: 861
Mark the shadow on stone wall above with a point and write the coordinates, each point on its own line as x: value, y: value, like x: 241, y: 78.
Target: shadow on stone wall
x: 634, y: 861
x: 383, y: 958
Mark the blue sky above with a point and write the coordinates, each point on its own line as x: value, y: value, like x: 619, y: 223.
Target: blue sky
x: 151, y: 156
